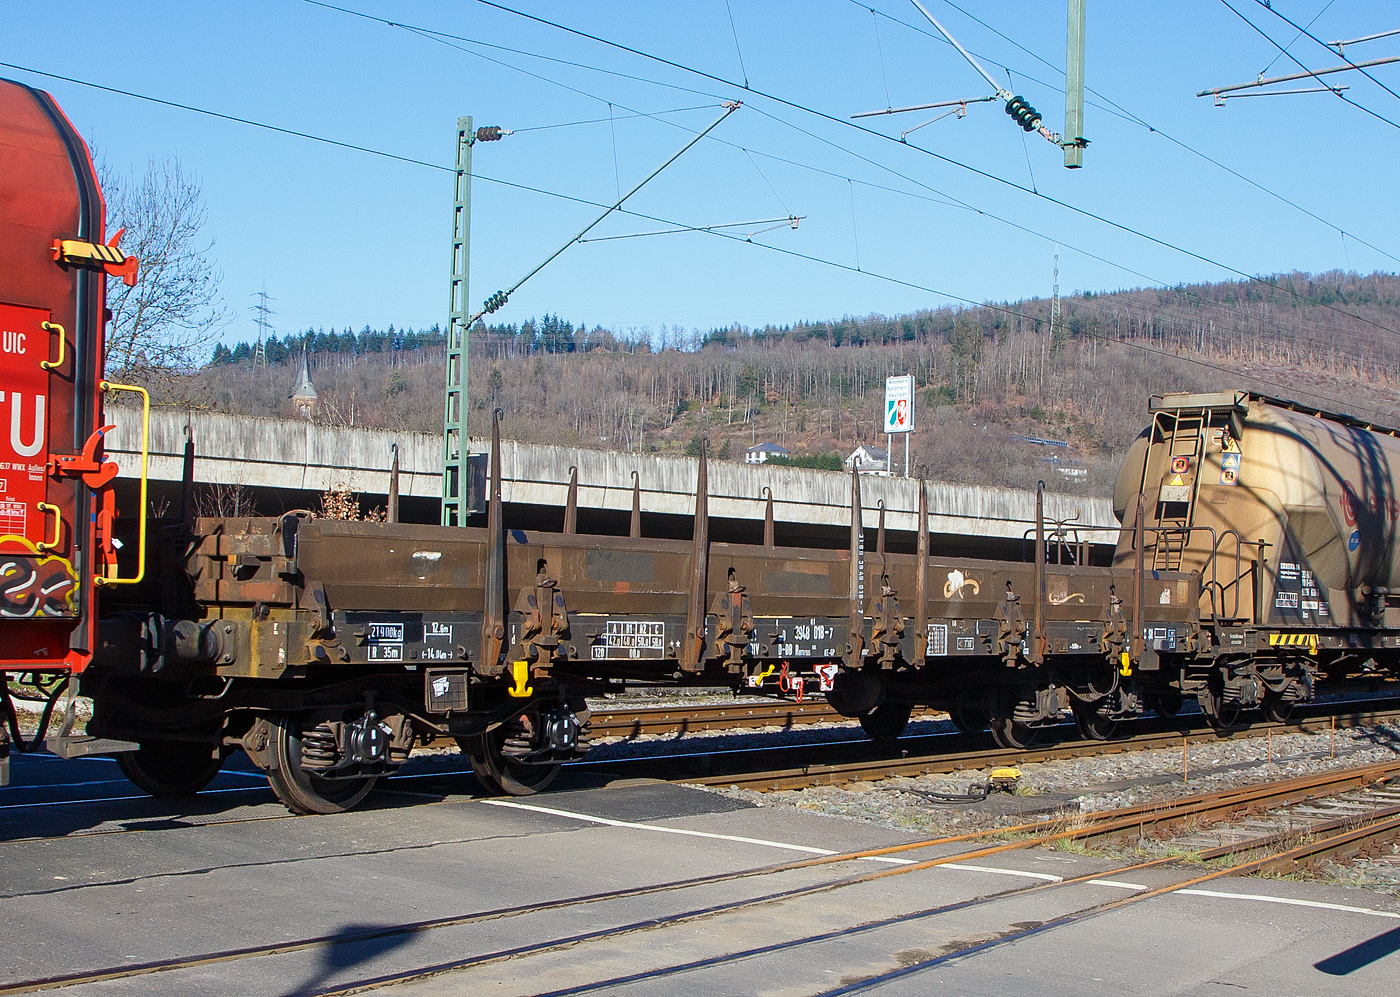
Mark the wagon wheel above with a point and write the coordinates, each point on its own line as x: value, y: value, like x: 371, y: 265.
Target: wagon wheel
x: 491, y: 756
x: 1218, y: 714
x: 170, y: 769
x: 1093, y: 723
x: 1276, y: 707
x: 303, y: 792
x: 1012, y: 733
x: 1003, y: 705
x: 887, y: 721
x: 968, y: 719
x: 1164, y: 702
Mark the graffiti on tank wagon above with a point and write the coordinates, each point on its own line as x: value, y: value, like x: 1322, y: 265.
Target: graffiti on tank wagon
x: 35, y: 586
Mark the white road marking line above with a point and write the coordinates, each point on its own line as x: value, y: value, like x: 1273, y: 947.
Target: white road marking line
x: 1262, y: 898
x: 609, y: 822
x: 1118, y: 883
x: 1005, y: 872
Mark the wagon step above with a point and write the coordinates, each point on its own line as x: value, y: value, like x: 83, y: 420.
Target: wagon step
x: 78, y: 745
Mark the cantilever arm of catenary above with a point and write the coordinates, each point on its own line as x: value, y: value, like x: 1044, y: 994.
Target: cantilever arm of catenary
x: 498, y: 299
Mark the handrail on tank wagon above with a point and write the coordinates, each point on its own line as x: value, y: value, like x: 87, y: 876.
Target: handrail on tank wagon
x: 109, y: 580
x: 1214, y: 585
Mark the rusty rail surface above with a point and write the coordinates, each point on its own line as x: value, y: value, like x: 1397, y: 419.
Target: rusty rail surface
x: 946, y: 762
x: 686, y: 719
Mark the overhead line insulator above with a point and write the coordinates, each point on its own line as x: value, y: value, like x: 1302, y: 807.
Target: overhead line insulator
x: 1022, y: 113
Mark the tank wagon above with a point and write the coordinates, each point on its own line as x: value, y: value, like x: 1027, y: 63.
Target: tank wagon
x: 327, y: 650
x: 1287, y: 514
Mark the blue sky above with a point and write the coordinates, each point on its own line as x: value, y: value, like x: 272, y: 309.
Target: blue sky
x: 340, y: 237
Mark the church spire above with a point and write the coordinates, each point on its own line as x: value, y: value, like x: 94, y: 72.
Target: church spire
x: 304, y: 394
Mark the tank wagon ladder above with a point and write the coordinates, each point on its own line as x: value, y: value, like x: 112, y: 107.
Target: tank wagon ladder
x: 1174, y: 516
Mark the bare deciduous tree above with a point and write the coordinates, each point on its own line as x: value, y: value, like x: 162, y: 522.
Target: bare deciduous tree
x: 160, y: 325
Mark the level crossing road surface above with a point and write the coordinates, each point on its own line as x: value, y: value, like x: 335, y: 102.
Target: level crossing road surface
x: 123, y: 880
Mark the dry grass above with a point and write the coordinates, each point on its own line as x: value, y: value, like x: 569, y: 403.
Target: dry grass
x: 345, y: 505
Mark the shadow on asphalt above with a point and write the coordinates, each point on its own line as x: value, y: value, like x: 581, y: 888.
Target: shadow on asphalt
x: 1358, y: 956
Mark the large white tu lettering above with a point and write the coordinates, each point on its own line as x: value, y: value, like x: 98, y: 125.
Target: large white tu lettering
x: 16, y: 424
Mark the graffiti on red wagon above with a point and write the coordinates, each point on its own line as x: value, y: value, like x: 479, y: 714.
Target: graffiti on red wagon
x: 34, y: 586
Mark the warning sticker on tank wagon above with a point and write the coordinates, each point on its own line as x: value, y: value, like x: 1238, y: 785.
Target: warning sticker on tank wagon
x: 632, y: 639
x: 1299, y: 598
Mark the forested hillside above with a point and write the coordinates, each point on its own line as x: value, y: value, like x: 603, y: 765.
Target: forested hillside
x: 988, y: 376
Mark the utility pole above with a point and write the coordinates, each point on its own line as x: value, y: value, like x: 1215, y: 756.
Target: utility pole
x: 454, y: 432
x: 1074, y: 140
x: 454, y: 456
x: 461, y: 319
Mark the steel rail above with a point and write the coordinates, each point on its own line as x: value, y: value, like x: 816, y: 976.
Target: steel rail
x: 710, y: 716
x: 947, y: 762
x: 817, y: 773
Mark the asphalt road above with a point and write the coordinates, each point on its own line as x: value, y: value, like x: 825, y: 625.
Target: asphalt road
x: 121, y: 879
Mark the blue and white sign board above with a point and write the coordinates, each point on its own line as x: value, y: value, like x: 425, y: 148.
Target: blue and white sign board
x: 899, y: 404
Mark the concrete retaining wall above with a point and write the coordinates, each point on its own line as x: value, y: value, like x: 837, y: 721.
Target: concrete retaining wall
x: 277, y: 453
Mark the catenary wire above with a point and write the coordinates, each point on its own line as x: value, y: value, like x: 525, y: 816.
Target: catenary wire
x: 1035, y: 193
x: 1119, y: 111
x: 444, y: 38
x: 1293, y: 59
x: 742, y: 68
x: 1342, y: 55
x: 1325, y: 7
x: 229, y: 117
x: 1084, y: 212
x: 604, y: 121
x: 515, y: 51
x: 584, y: 201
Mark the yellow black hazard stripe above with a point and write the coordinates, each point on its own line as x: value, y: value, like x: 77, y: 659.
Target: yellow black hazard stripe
x: 1294, y: 640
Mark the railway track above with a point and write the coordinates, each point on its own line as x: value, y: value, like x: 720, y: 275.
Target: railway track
x: 1369, y: 813
x: 943, y: 762
x: 711, y: 716
x: 785, y: 767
